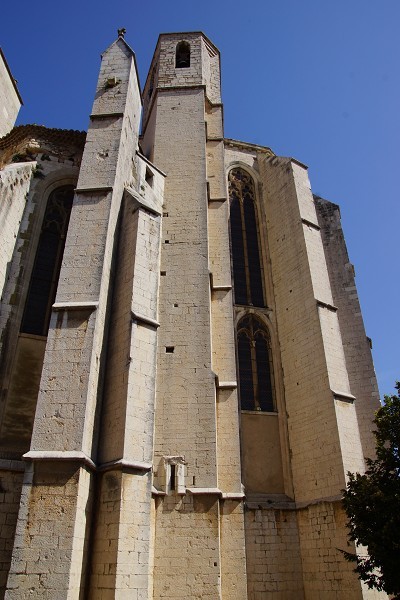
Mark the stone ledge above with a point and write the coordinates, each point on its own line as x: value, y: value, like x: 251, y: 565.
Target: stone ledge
x: 311, y: 224
x: 223, y: 199
x: 89, y: 305
x: 232, y: 495
x: 66, y: 455
x: 204, y: 491
x: 343, y: 396
x: 133, y: 465
x: 145, y: 320
x: 104, y: 189
x: 221, y: 288
x: 226, y: 385
x: 80, y: 456
x: 156, y: 492
x: 331, y: 307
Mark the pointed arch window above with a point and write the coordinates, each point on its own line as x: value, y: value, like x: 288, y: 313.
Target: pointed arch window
x: 246, y: 262
x: 255, y: 365
x: 46, y: 269
x: 182, y: 56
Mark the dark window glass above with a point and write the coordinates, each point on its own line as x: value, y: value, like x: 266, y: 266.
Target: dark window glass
x: 238, y: 256
x: 247, y: 276
x: 255, y: 366
x: 182, y: 57
x: 245, y: 372
x: 46, y: 269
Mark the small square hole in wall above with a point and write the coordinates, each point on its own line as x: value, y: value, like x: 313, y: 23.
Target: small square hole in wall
x: 149, y: 177
x: 166, y: 241
x: 169, y: 349
x: 176, y: 304
x: 165, y: 214
x: 163, y: 273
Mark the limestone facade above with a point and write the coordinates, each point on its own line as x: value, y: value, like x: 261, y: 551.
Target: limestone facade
x: 10, y: 99
x: 185, y: 374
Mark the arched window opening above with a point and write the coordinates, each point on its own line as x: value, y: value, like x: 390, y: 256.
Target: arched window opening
x: 182, y: 57
x: 46, y: 269
x: 255, y: 366
x: 247, y: 276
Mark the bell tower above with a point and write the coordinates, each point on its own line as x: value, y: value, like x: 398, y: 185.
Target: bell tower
x: 199, y: 518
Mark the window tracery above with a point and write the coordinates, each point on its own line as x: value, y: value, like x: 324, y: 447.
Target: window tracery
x: 255, y: 365
x: 46, y: 269
x: 246, y: 262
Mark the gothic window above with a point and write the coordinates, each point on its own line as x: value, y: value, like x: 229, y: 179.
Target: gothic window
x: 255, y: 365
x: 247, y: 277
x: 182, y: 57
x: 46, y: 269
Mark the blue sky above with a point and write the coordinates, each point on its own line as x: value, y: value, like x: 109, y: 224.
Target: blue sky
x: 315, y: 80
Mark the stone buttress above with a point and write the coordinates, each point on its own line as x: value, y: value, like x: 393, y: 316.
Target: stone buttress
x: 57, y: 554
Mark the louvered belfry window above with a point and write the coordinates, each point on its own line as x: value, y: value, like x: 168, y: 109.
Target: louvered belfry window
x: 46, y: 269
x: 247, y: 276
x: 255, y: 365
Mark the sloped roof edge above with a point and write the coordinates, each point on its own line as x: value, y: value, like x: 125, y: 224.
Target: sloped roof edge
x: 21, y: 132
x: 14, y: 82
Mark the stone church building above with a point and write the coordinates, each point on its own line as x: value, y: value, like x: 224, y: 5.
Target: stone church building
x: 185, y: 375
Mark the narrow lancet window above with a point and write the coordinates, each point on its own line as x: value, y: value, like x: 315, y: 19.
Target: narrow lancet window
x: 247, y: 276
x: 182, y: 57
x: 255, y: 365
x: 46, y: 269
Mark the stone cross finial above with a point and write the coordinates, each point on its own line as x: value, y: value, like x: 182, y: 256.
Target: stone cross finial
x: 121, y: 32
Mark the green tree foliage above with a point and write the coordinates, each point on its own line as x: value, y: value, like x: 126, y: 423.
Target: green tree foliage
x: 372, y: 505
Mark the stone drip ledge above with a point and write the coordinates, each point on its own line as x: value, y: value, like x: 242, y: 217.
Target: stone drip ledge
x: 343, y: 396
x: 205, y: 492
x: 90, y: 305
x: 135, y: 316
x: 80, y: 457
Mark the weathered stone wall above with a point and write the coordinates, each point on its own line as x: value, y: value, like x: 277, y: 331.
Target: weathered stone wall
x: 10, y: 102
x: 15, y: 180
x: 323, y: 534
x: 196, y: 360
x: 121, y: 539
x: 11, y: 476
x: 68, y: 405
x: 274, y: 566
x: 356, y: 345
x: 24, y: 196
x: 53, y: 514
x: 311, y: 350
